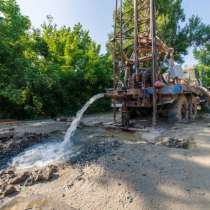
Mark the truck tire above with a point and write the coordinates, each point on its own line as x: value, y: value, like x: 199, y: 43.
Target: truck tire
x: 180, y: 110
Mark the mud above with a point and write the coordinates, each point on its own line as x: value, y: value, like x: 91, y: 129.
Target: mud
x: 13, y: 145
x: 13, y: 180
x: 17, y: 179
x: 15, y: 137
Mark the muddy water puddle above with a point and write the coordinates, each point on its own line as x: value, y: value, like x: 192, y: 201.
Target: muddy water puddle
x: 50, y: 151
x: 89, y: 138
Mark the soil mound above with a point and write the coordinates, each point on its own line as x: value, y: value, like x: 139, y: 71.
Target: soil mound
x: 35, y: 202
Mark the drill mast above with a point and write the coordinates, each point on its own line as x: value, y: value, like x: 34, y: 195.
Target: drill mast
x: 140, y: 81
x: 135, y: 29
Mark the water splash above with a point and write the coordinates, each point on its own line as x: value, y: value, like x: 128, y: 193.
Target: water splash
x: 38, y: 156
x: 42, y: 155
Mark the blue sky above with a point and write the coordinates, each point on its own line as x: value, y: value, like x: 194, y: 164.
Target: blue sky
x: 95, y: 15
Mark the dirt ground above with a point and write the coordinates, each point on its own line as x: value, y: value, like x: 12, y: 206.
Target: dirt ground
x: 140, y: 174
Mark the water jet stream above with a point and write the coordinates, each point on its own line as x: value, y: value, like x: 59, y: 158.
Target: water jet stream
x: 70, y: 132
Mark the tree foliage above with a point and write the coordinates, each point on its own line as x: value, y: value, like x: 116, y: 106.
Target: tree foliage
x: 48, y: 71
x: 203, y: 56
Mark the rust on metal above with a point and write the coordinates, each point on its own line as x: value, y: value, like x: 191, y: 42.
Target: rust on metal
x: 137, y: 56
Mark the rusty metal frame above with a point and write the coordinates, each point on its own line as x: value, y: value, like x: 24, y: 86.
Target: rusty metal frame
x: 147, y: 49
x: 154, y: 58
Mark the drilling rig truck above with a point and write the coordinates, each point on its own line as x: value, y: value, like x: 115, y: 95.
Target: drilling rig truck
x: 146, y: 79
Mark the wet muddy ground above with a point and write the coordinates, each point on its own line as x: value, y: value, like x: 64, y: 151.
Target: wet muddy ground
x: 165, y: 168
x: 15, y: 137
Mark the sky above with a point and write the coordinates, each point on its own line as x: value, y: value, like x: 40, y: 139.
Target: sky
x: 96, y: 15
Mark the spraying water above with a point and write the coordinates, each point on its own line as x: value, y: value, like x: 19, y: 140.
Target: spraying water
x: 44, y: 154
x: 70, y: 132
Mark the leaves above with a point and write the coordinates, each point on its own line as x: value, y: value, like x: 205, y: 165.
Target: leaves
x: 48, y: 71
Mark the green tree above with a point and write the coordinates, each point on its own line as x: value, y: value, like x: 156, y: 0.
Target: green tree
x: 79, y: 69
x: 203, y: 56
x: 48, y: 71
x: 13, y: 42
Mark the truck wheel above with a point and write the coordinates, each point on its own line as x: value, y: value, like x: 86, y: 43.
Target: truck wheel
x: 180, y: 110
x: 194, y: 112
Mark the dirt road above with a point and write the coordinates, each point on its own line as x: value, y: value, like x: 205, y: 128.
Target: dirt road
x: 139, y: 174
